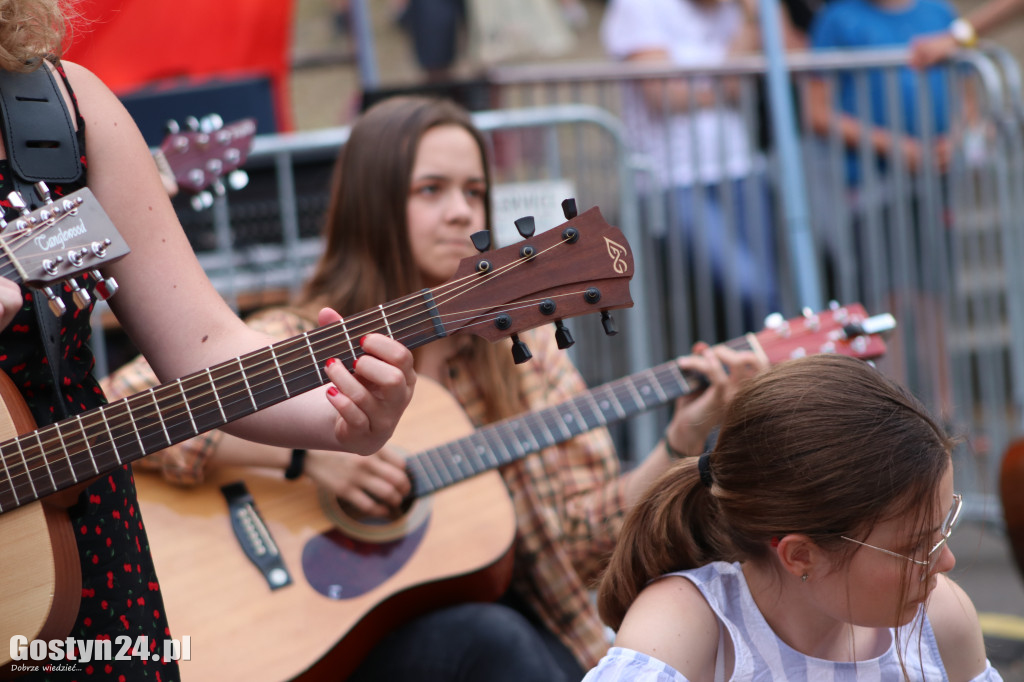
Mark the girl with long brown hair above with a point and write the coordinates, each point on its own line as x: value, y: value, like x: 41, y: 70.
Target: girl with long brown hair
x: 810, y: 543
x: 411, y: 186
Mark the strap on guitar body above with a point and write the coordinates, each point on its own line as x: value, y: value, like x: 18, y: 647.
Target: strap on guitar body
x: 39, y: 135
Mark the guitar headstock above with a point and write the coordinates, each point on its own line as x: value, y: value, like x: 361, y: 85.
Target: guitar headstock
x: 579, y: 267
x: 61, y: 239
x: 199, y: 157
x: 846, y: 330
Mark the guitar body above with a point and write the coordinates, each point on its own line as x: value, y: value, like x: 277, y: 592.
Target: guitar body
x: 1011, y: 479
x: 40, y: 576
x: 452, y: 546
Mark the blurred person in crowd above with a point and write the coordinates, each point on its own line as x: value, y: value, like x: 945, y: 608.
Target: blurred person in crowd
x: 410, y: 186
x: 810, y: 543
x: 701, y: 148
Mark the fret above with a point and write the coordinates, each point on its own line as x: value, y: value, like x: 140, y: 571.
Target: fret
x: 88, y: 447
x: 216, y: 397
x: 124, y: 436
x: 636, y: 395
x: 454, y: 457
x: 184, y: 402
x: 172, y: 401
x: 203, y: 405
x: 248, y: 388
x: 523, y: 437
x: 348, y: 339
x: 384, y: 317
x: 589, y: 410
x: 434, y: 456
x: 651, y: 383
x: 557, y: 417
x: 609, y: 404
x: 263, y: 374
x: 481, y: 448
x: 490, y: 437
x: 67, y: 455
x: 9, y: 478
x: 42, y: 458
x: 575, y: 426
x: 280, y: 374
x: 431, y: 471
x: 163, y: 424
x: 538, y: 423
x: 28, y: 471
x: 101, y: 440
x: 316, y: 363
x: 417, y: 477
x: 135, y: 427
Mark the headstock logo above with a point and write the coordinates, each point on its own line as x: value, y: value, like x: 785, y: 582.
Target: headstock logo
x: 618, y: 254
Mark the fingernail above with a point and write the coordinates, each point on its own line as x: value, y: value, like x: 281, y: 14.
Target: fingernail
x: 362, y: 341
x: 331, y: 361
x: 332, y: 391
x: 354, y: 361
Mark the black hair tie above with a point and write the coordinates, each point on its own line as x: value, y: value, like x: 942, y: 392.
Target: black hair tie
x: 704, y: 469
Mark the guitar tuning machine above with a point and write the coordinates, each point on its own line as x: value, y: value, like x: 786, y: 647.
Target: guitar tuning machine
x: 105, y: 286
x: 43, y: 192
x: 237, y: 179
x: 80, y: 296
x: 56, y: 305
x: 201, y: 201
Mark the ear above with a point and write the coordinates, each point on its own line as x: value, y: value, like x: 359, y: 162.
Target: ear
x: 800, y: 556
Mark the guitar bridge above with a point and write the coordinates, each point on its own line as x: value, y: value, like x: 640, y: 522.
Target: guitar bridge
x: 254, y: 536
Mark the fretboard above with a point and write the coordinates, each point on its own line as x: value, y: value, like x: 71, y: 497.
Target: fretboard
x: 82, y: 447
x: 512, y: 439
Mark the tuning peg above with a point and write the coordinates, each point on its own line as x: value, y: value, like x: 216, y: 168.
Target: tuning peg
x: 608, y: 323
x: 43, y: 192
x: 18, y: 202
x: 218, y: 187
x: 202, y: 201
x: 55, y: 304
x: 80, y: 296
x: 563, y: 338
x: 105, y: 286
x: 481, y: 240
x: 210, y: 123
x: 171, y: 127
x: 569, y: 209
x: 237, y: 179
x: 520, y: 352
x: 526, y: 226
x: 192, y: 123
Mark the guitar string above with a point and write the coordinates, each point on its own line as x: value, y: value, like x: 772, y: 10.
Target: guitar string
x: 272, y: 382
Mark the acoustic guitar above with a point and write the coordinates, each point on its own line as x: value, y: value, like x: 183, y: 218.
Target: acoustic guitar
x: 352, y: 580
x: 583, y: 266
x: 1011, y: 478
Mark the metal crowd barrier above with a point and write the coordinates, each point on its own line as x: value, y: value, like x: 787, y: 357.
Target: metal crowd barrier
x: 936, y: 244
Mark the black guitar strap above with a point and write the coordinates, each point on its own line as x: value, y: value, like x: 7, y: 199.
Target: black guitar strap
x: 39, y: 135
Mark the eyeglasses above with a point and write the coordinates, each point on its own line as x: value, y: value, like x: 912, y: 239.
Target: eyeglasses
x: 936, y: 551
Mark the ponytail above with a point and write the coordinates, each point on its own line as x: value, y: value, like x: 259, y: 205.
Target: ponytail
x: 672, y: 527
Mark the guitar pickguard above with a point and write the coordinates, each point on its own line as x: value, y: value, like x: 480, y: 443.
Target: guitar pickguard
x: 340, y: 567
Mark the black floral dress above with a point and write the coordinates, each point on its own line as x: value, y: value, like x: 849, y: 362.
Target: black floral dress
x: 120, y: 594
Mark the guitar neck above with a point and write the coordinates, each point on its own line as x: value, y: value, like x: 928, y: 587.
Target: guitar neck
x: 77, y: 449
x: 509, y: 440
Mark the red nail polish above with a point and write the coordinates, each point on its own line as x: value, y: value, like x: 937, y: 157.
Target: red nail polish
x: 331, y: 361
x: 362, y: 341
x: 354, y: 361
x: 332, y: 390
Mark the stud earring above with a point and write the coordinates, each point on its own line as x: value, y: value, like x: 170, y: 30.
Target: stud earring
x: 803, y: 578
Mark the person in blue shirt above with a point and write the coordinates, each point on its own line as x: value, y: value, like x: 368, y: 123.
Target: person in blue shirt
x: 880, y: 24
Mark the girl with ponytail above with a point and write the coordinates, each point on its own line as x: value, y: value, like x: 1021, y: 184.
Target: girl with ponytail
x: 809, y: 544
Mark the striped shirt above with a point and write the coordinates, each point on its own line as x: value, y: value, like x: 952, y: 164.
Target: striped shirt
x: 762, y: 657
